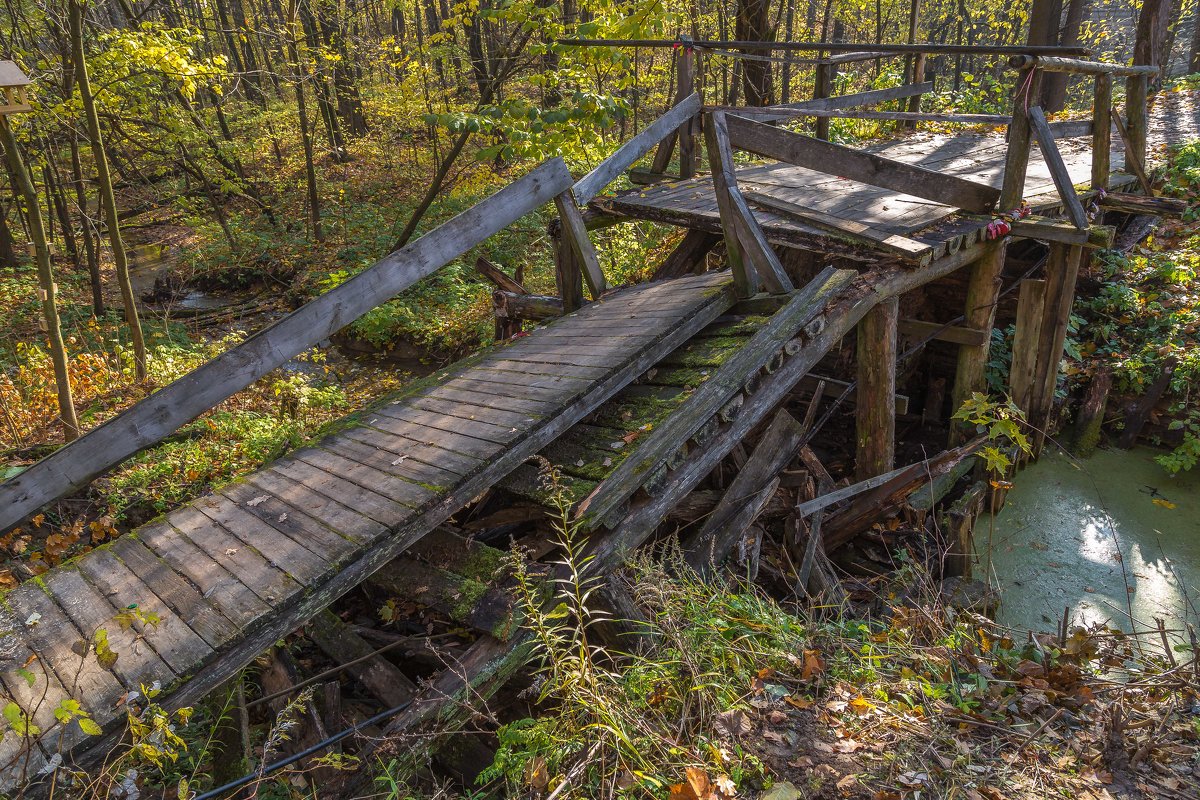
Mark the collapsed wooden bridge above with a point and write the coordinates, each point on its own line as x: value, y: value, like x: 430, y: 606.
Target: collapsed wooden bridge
x: 637, y: 396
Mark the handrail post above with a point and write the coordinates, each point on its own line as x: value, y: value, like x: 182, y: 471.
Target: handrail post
x: 1136, y: 91
x: 918, y: 76
x: 822, y: 83
x: 1101, y: 131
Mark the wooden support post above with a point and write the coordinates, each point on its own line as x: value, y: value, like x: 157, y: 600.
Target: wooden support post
x: 914, y: 102
x: 1132, y: 162
x: 1102, y: 132
x: 1019, y: 138
x: 982, y: 291
x: 1136, y: 90
x: 720, y: 159
x: 1030, y: 300
x: 1062, y: 269
x: 875, y: 409
x: 684, y: 61
x: 574, y: 231
x: 567, y: 276
x: 822, y: 85
x: 689, y: 154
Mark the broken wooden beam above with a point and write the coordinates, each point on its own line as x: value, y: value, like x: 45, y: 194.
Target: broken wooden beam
x: 687, y: 256
x: 499, y: 277
x: 746, y: 496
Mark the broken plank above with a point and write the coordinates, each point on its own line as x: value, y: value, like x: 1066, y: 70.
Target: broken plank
x: 1058, y: 169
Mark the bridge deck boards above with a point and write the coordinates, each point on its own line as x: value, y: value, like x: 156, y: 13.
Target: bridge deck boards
x: 234, y: 571
x: 977, y: 157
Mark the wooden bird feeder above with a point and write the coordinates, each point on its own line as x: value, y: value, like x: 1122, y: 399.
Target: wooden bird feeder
x: 13, y: 99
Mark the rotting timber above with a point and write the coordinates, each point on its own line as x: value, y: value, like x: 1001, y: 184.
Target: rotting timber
x: 685, y: 406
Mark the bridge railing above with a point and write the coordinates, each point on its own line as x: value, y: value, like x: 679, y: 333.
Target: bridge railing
x: 151, y: 420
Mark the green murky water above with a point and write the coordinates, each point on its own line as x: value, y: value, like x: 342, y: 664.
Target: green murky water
x: 1087, y: 534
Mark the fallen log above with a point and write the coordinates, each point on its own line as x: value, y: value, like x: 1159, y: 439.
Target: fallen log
x: 534, y: 307
x: 1142, y: 204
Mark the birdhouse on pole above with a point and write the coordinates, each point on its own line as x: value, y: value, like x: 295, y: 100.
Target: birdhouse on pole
x: 13, y: 81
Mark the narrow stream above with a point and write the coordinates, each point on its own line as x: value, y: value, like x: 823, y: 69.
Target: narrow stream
x: 1103, y: 537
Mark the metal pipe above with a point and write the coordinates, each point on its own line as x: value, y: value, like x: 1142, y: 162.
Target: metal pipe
x: 835, y: 47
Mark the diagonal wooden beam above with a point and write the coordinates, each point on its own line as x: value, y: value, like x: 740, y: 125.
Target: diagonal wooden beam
x: 1058, y: 168
x: 736, y: 217
x: 832, y: 159
x: 574, y: 230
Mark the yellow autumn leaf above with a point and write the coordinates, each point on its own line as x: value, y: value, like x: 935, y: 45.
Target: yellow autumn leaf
x: 1158, y: 501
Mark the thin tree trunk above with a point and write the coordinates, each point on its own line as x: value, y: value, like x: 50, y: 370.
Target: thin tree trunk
x: 87, y: 229
x: 310, y: 169
x: 104, y: 180
x: 46, y: 287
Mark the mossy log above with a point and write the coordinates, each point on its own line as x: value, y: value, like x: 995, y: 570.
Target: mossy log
x: 1091, y: 413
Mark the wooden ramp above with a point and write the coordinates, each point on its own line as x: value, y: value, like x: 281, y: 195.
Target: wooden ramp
x: 235, y: 571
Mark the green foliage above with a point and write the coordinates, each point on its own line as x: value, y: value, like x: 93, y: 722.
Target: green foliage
x: 1001, y: 422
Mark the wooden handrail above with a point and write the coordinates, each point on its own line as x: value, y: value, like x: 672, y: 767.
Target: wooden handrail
x: 837, y: 47
x: 156, y: 417
x: 1077, y: 66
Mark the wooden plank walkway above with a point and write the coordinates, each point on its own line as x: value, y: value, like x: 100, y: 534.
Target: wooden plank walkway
x: 976, y: 157
x: 231, y: 573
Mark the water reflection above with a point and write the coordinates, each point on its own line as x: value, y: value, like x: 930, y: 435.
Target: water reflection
x: 1111, y: 537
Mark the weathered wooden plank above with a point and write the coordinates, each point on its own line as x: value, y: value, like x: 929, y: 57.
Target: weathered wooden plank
x: 468, y: 410
x: 52, y: 636
x: 806, y: 305
x: 406, y: 494
x: 316, y: 470
x: 164, y: 411
x: 1030, y: 301
x: 238, y: 558
x: 410, y: 469
x: 470, y: 392
x: 1058, y: 169
x: 628, y: 154
x: 955, y: 334
x: 478, y: 429
x: 137, y: 663
x: 175, y: 642
x: 478, y: 449
x: 235, y: 600
x: 289, y: 507
x: 283, y: 493
x: 427, y: 453
x: 174, y: 590
x: 306, y: 564
x: 902, y: 246
x: 860, y: 166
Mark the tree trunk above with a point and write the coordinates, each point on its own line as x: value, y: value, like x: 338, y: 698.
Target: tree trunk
x: 46, y: 286
x: 1044, y: 19
x: 754, y: 24
x: 310, y: 169
x: 90, y: 236
x: 104, y: 183
x: 1151, y: 32
x: 1054, y: 86
x: 1194, y: 55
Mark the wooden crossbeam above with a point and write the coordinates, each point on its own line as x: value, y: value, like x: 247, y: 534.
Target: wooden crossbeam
x: 1058, y: 168
x: 832, y: 159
